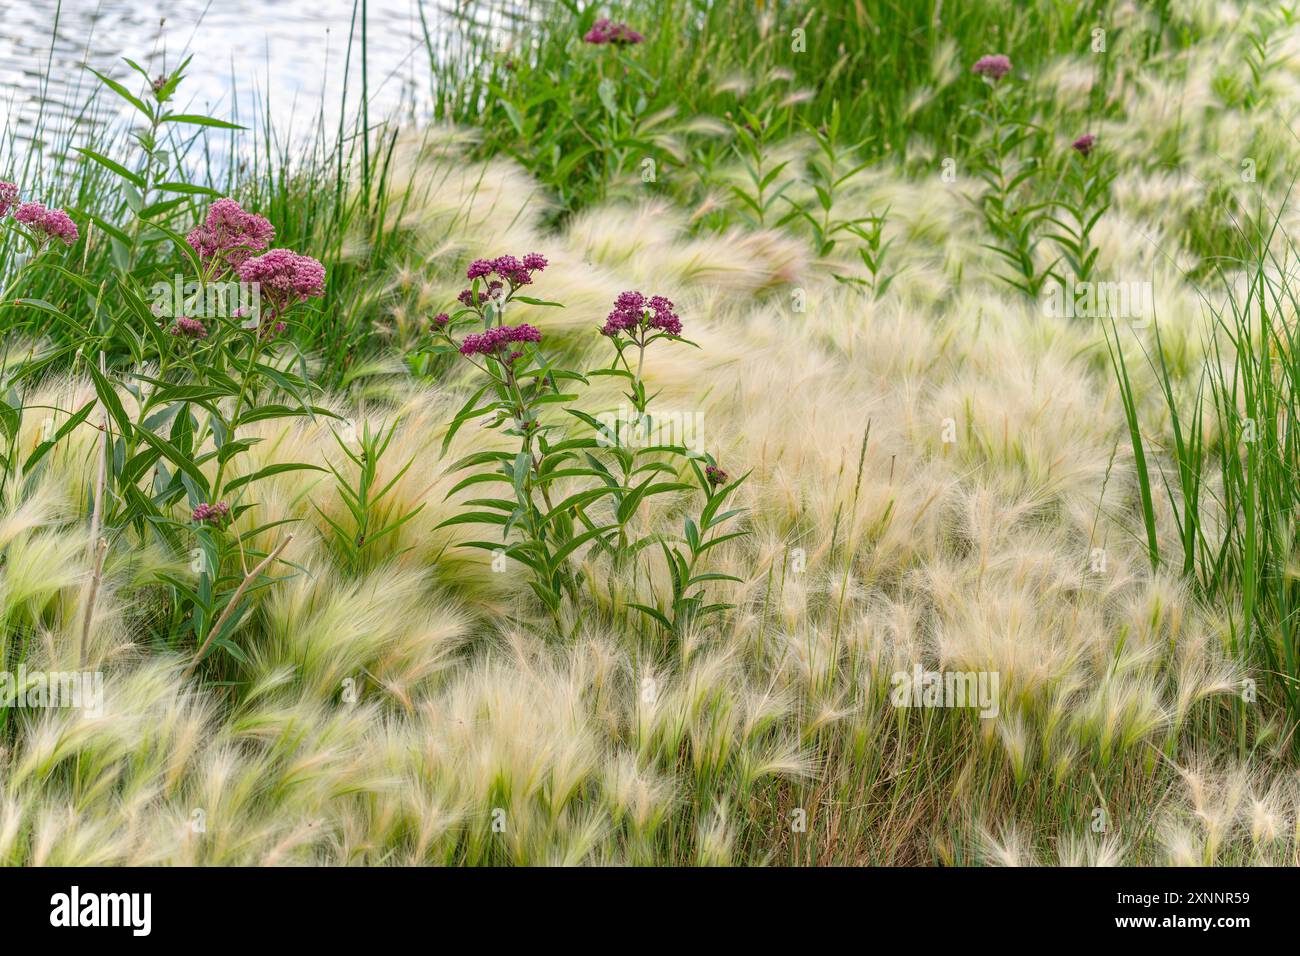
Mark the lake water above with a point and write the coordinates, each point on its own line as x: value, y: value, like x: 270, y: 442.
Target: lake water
x: 289, y: 55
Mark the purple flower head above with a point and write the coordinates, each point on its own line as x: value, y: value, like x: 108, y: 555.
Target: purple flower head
x: 188, y: 328
x: 1084, y: 144
x: 211, y: 514
x: 715, y: 475
x: 495, y: 340
x: 466, y: 297
x: 512, y: 270
x: 629, y: 308
x: 632, y: 301
x: 632, y: 310
x: 230, y: 233
x: 47, y: 223
x: 8, y: 197
x: 507, y: 269
x: 663, y: 317
x: 440, y: 320
x: 59, y: 225
x: 478, y: 269
x: 995, y: 66
x: 599, y: 32
x: 606, y: 31
x: 30, y: 213
x: 284, y: 278
x: 617, y: 322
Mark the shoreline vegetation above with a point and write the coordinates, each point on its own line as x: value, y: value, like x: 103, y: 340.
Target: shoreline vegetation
x: 725, y: 434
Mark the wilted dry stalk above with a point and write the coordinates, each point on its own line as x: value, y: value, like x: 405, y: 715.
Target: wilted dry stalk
x: 97, y: 511
x: 96, y: 578
x: 234, y: 601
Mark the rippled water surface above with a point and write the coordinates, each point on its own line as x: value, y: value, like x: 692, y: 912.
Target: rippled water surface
x: 290, y: 55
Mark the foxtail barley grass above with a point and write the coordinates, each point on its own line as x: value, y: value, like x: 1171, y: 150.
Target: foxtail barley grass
x: 375, y: 592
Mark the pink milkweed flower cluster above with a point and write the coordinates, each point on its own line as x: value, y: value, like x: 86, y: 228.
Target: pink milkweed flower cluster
x: 995, y: 66
x: 43, y: 224
x: 46, y: 224
x: 497, y: 340
x: 8, y: 198
x: 285, y: 278
x: 185, y: 327
x: 633, y: 313
x: 490, y: 290
x: 715, y: 475
x: 1083, y: 145
x: 605, y: 30
x: 211, y: 514
x: 509, y: 271
x: 230, y: 233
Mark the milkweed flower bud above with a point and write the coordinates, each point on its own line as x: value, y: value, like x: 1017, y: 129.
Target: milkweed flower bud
x: 211, y: 514
x: 8, y: 198
x: 495, y: 340
x: 186, y: 327
x: 994, y: 66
